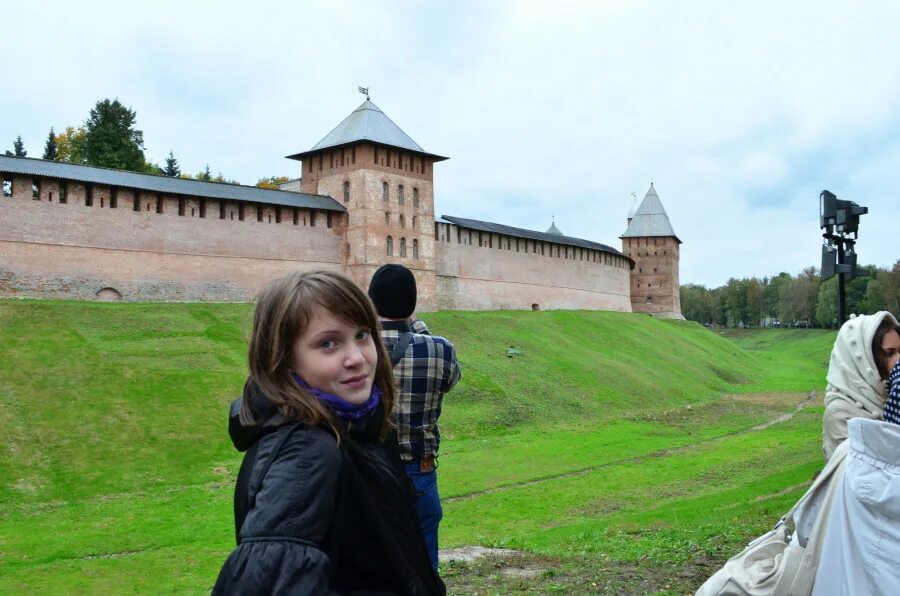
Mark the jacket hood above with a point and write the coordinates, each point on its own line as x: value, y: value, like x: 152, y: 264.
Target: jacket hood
x: 266, y: 417
x: 852, y: 373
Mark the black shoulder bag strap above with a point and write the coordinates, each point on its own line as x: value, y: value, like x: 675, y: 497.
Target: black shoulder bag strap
x: 400, y: 348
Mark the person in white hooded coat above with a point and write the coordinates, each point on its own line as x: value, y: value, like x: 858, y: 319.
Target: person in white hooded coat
x: 856, y: 374
x: 862, y: 542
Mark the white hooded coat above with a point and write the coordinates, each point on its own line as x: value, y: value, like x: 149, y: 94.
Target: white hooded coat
x: 862, y: 541
x: 855, y: 389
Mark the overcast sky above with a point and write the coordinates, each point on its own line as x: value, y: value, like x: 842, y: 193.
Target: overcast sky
x: 740, y: 116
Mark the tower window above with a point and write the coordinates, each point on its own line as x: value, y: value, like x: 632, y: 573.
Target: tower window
x: 403, y: 247
x: 113, y: 197
x: 328, y: 219
x: 415, y: 249
x: 402, y: 221
x: 385, y: 193
x: 390, y: 246
x: 346, y: 191
x: 400, y: 198
x: 7, y: 185
x: 387, y: 218
x: 415, y: 197
x: 312, y: 218
x: 36, y: 189
x: 415, y: 222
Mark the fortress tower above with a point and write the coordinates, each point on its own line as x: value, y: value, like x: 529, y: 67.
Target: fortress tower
x: 651, y: 242
x: 385, y: 180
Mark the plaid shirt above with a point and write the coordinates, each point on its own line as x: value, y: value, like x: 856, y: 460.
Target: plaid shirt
x: 426, y: 372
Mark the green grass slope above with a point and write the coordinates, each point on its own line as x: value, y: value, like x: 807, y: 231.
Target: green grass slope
x: 610, y: 429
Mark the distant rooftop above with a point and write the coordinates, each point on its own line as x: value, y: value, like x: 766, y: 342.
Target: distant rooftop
x: 367, y: 123
x: 176, y: 186
x: 486, y: 226
x: 554, y: 230
x: 650, y: 219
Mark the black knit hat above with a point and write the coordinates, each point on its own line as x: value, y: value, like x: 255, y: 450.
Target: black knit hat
x: 393, y: 291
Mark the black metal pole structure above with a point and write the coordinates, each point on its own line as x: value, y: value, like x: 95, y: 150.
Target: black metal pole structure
x: 842, y: 291
x: 840, y: 220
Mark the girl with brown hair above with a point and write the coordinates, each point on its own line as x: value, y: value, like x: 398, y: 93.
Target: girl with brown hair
x: 322, y: 504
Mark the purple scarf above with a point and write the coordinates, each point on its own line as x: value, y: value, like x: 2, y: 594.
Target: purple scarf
x: 341, y: 407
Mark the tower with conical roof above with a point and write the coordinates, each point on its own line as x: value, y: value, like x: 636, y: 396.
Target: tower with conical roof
x: 386, y: 182
x: 651, y: 242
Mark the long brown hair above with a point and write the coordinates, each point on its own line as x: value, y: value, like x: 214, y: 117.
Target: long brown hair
x: 283, y: 310
x: 888, y: 324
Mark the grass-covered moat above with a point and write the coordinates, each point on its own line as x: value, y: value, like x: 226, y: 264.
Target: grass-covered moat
x: 621, y: 453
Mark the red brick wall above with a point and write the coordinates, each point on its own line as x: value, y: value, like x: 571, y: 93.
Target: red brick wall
x: 71, y: 250
x: 654, y: 280
x: 490, y: 272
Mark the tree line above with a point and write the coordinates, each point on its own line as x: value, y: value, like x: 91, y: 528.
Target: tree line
x: 785, y: 300
x: 109, y: 138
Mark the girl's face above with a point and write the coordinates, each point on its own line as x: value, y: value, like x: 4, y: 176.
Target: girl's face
x: 891, y: 346
x: 335, y: 357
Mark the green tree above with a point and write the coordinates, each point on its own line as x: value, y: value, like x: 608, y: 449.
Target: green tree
x: 734, y: 296
x: 221, y: 178
x: 804, y: 294
x: 754, y: 301
x: 18, y: 148
x: 772, y: 295
x: 172, y: 169
x: 883, y: 291
x: 272, y: 183
x: 205, y: 175
x: 152, y: 168
x: 70, y: 145
x: 826, y: 304
x: 697, y: 304
x: 50, y: 146
x: 112, y: 140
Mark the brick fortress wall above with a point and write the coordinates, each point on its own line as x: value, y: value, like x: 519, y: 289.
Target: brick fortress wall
x: 486, y: 271
x: 95, y: 244
x: 654, y: 281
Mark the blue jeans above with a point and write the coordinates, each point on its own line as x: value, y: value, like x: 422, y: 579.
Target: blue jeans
x: 428, y: 507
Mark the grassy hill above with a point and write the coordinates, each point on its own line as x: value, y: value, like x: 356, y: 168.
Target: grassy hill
x: 615, y: 439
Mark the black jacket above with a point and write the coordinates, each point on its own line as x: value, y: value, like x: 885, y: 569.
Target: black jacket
x: 313, y: 517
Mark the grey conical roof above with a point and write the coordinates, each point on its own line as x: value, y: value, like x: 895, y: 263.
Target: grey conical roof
x: 650, y: 219
x: 554, y: 230
x: 368, y: 123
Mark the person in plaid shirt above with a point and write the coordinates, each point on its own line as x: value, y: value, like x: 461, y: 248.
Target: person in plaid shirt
x: 425, y: 368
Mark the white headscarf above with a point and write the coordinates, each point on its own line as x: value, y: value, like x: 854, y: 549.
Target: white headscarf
x: 853, y: 374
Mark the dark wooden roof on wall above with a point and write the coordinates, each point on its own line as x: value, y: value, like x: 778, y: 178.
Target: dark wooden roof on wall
x: 486, y: 226
x: 176, y: 186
